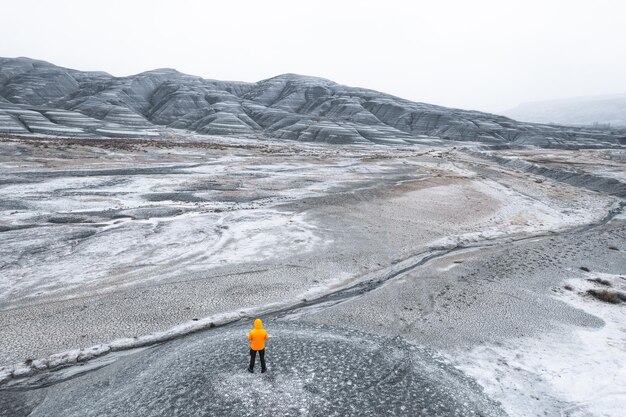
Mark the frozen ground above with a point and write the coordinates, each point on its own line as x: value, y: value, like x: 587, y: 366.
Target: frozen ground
x: 117, y: 242
x: 517, y: 318
x: 313, y: 370
x: 568, y: 373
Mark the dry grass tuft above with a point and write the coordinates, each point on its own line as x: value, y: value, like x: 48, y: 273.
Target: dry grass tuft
x: 607, y: 296
x: 601, y: 281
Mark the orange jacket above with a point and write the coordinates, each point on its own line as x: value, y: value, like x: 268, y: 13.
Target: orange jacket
x: 258, y: 336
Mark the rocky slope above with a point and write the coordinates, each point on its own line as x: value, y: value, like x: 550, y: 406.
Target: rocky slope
x: 37, y: 97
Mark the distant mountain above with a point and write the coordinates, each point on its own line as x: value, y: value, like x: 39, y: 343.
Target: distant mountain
x: 603, y: 111
x: 37, y: 97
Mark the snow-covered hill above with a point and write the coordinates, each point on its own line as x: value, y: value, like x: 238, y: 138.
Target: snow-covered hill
x: 599, y: 111
x: 38, y: 98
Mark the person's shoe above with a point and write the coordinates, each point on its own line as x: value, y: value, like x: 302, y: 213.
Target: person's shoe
x: 251, y: 370
x: 263, y: 370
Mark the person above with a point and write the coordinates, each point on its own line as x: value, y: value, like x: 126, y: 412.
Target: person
x: 257, y: 338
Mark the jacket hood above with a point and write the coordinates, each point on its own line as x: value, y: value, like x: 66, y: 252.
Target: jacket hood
x: 258, y: 324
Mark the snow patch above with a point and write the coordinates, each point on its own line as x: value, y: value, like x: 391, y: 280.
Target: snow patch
x: 568, y: 373
x: 521, y: 214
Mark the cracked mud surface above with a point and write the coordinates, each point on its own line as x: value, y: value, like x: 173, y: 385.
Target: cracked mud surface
x: 102, y: 241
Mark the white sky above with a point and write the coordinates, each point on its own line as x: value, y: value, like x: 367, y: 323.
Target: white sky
x: 481, y: 54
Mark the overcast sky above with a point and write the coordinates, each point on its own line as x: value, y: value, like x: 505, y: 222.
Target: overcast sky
x: 482, y: 54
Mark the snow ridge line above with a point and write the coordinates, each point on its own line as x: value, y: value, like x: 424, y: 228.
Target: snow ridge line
x: 316, y: 296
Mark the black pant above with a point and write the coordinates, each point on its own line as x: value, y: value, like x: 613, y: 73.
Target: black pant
x: 253, y: 358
